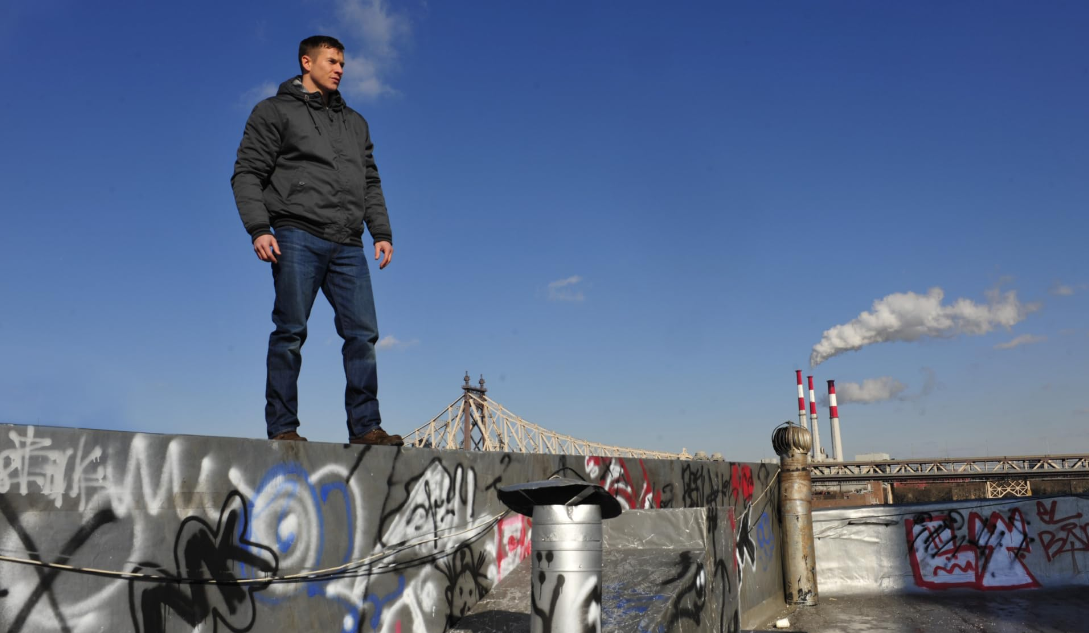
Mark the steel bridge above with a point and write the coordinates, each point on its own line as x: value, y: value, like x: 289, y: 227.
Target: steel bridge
x: 1020, y: 467
x: 476, y: 422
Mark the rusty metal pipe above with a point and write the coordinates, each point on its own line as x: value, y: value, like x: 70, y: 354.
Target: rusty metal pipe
x: 792, y: 443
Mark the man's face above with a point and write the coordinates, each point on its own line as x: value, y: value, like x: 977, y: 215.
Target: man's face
x: 326, y: 66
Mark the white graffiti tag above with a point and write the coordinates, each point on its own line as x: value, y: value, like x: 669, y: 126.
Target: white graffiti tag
x: 31, y: 466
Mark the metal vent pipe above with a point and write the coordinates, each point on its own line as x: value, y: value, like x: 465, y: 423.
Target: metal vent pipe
x: 792, y: 443
x: 566, y: 585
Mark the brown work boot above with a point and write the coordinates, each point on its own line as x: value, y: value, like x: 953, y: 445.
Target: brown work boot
x: 289, y: 435
x: 378, y: 436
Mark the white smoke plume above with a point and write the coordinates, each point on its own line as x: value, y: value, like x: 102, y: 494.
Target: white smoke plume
x: 908, y: 316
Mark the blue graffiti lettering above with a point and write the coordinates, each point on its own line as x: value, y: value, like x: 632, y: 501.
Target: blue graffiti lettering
x: 765, y: 540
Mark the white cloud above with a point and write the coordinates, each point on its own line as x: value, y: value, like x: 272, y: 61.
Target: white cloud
x: 565, y: 289
x: 257, y: 93
x: 907, y: 316
x: 1024, y: 339
x: 380, y: 32
x: 1059, y: 289
x: 881, y: 389
x: 361, y: 78
x: 391, y: 342
x: 870, y: 390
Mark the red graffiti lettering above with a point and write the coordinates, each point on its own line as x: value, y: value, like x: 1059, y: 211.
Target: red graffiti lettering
x: 741, y: 483
x: 989, y: 557
x: 613, y: 475
x: 512, y: 543
x: 1070, y: 535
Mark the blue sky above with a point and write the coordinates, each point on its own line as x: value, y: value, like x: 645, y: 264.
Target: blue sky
x: 718, y: 184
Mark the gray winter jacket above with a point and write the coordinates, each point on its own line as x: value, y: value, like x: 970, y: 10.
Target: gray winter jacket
x: 306, y: 165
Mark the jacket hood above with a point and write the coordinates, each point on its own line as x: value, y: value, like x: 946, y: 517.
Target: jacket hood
x: 294, y: 88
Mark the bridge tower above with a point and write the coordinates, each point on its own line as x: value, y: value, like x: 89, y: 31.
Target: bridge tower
x: 474, y: 398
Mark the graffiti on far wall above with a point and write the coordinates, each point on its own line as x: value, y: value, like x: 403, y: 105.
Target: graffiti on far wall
x: 1065, y: 534
x: 981, y: 552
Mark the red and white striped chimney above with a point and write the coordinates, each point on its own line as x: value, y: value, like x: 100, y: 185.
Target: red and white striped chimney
x: 801, y: 401
x: 833, y: 411
x: 813, y: 419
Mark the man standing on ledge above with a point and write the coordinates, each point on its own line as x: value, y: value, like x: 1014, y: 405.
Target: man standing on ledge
x: 305, y: 183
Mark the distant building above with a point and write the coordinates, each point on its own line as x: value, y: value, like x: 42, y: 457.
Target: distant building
x: 872, y: 457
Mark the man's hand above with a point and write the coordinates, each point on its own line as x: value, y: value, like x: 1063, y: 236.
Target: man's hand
x: 385, y: 249
x: 266, y: 248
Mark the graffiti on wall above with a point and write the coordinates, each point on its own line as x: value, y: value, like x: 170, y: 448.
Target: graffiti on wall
x: 419, y: 518
x: 688, y: 602
x: 765, y: 542
x: 1013, y: 548
x: 1065, y: 533
x: 513, y: 543
x: 32, y: 464
x: 727, y: 494
x: 613, y: 475
x: 981, y: 552
x: 202, y: 551
x: 41, y: 585
x: 370, y: 539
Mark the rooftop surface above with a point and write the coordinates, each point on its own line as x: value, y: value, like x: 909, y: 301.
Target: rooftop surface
x: 1046, y: 611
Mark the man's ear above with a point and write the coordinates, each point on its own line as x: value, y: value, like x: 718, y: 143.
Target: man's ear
x: 306, y: 62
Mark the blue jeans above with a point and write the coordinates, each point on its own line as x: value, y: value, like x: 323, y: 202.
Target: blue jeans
x: 305, y: 264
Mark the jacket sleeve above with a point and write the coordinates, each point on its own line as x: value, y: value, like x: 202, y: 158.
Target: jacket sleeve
x: 376, y: 216
x: 256, y: 159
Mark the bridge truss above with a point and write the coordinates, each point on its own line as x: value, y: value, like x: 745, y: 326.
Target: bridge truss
x: 476, y: 422
x: 1035, y: 466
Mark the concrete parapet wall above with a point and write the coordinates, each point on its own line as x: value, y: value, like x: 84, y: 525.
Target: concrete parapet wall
x: 409, y: 539
x: 974, y: 545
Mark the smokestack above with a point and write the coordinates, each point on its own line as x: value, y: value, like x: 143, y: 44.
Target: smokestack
x: 813, y: 418
x: 801, y: 402
x: 833, y: 411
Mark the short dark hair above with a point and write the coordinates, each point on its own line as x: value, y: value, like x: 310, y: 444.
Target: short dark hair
x: 314, y: 42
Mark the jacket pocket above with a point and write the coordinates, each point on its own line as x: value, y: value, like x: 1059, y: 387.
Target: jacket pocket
x: 296, y: 188
x: 284, y: 182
